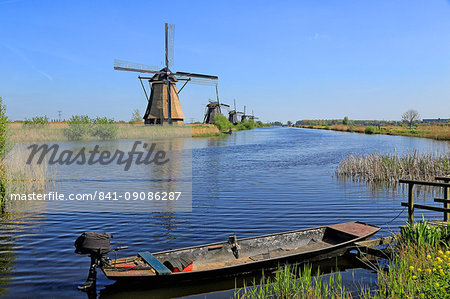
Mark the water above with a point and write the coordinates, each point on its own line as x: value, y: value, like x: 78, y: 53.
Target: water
x: 254, y: 182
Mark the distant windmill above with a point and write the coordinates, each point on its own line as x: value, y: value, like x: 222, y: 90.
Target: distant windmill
x: 253, y: 117
x: 163, y: 103
x: 244, y: 116
x: 233, y: 115
x: 212, y: 109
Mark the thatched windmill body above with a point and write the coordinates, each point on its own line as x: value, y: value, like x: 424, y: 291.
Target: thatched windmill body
x: 212, y: 109
x: 233, y: 115
x: 163, y: 102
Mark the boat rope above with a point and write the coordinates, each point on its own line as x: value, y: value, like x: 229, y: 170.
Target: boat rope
x: 390, y: 221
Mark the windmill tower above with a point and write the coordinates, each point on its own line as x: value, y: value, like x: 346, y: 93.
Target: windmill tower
x: 163, y: 103
x: 233, y: 115
x: 244, y: 116
x: 213, y: 108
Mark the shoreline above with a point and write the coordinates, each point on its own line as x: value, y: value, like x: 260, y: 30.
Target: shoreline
x: 441, y: 133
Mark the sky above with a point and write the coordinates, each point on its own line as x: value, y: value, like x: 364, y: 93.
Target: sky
x: 284, y: 60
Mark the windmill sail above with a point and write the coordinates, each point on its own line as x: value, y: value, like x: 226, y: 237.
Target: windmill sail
x: 122, y: 65
x: 170, y: 33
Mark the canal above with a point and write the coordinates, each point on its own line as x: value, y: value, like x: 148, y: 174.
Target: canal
x: 254, y: 182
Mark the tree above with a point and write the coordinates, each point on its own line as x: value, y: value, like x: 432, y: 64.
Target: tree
x: 345, y: 121
x: 136, y: 116
x: 410, y: 117
x: 289, y: 123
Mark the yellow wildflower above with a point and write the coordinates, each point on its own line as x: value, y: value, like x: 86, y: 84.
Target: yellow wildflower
x: 439, y: 267
x: 441, y: 271
x: 437, y: 284
x: 428, y: 256
x: 434, y: 269
x: 411, y: 268
x: 428, y: 270
x: 418, y: 269
x: 440, y: 252
x: 447, y: 252
x: 414, y: 277
x: 439, y: 260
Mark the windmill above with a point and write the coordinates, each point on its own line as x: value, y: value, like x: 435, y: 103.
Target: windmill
x: 252, y: 117
x: 244, y: 116
x: 213, y: 108
x: 163, y: 103
x: 233, y: 115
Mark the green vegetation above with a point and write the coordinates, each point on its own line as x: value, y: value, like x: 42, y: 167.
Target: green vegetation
x: 289, y: 283
x: 421, y: 265
x: 136, y: 117
x: 222, y: 122
x: 81, y: 126
x: 370, y: 130
x: 389, y: 168
x: 104, y: 128
x: 345, y: 120
x: 37, y: 121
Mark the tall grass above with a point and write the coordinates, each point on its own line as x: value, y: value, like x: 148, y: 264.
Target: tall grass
x: 26, y: 178
x: 421, y: 266
x: 389, y: 168
x: 290, y: 283
x: 57, y: 132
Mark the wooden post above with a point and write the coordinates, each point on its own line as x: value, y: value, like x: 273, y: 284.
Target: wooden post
x: 446, y: 205
x: 411, y: 202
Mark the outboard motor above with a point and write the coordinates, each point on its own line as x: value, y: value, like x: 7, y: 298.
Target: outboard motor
x: 97, y: 245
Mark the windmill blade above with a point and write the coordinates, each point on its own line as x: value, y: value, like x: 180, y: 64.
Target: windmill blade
x: 122, y: 65
x: 225, y: 105
x: 170, y: 34
x: 199, y: 79
x: 194, y: 75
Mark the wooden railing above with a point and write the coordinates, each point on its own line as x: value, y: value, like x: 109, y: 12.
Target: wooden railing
x: 411, y: 205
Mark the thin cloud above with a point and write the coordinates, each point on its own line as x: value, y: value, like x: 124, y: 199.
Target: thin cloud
x: 25, y: 59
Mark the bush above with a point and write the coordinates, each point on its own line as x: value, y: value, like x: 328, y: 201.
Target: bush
x: 369, y: 130
x: 79, y: 127
x: 36, y: 120
x: 222, y: 122
x: 104, y: 128
x: 345, y: 121
x: 136, y: 117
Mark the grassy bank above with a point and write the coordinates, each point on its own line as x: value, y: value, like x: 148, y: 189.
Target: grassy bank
x: 20, y: 132
x: 420, y: 268
x: 389, y: 168
x: 438, y: 132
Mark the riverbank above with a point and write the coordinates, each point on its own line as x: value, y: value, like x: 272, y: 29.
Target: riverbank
x: 437, y: 132
x: 18, y: 132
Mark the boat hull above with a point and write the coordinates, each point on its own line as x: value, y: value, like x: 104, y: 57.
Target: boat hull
x: 329, y: 241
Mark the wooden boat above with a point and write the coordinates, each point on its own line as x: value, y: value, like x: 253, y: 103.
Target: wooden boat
x: 243, y: 256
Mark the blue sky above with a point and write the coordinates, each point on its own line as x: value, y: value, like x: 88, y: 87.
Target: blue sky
x: 286, y: 60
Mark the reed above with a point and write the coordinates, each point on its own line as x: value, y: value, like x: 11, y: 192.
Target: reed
x: 438, y: 132
x: 56, y: 132
x: 288, y: 282
x: 26, y: 178
x: 389, y: 168
x: 421, y: 266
